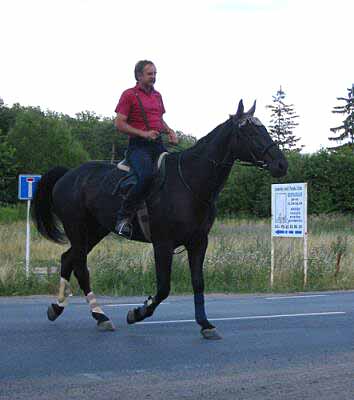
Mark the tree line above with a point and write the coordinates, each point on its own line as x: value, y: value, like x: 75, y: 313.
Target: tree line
x: 329, y: 174
x: 33, y: 141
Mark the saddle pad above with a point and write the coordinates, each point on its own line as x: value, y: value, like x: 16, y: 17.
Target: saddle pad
x: 142, y: 213
x: 124, y: 166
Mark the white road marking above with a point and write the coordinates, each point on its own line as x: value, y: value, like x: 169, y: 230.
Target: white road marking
x: 180, y: 321
x: 295, y: 297
x: 91, y: 376
x: 128, y: 305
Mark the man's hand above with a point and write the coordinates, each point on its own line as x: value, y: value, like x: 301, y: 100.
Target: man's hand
x: 152, y: 135
x: 172, y: 137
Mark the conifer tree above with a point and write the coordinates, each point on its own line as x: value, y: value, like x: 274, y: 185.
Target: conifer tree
x: 283, y: 122
x: 345, y: 132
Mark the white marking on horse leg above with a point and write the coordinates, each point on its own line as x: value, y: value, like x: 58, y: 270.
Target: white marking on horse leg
x: 64, y: 292
x: 94, y: 306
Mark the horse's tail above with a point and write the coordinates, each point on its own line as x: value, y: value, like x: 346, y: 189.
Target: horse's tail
x: 42, y: 213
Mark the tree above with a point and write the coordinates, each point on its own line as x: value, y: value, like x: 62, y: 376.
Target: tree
x: 43, y: 141
x: 7, y: 170
x: 345, y: 132
x: 185, y: 140
x: 83, y: 130
x: 283, y: 122
x: 98, y: 136
x: 7, y: 116
x: 110, y: 143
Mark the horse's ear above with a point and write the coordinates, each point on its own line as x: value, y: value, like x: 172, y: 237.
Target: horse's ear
x: 251, y: 111
x: 239, y: 111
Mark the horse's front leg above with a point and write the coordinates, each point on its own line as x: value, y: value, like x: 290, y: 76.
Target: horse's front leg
x: 163, y: 253
x: 196, y: 253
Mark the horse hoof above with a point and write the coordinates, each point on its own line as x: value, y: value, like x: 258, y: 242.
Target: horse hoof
x: 210, y: 334
x: 54, y: 311
x: 106, y: 326
x: 52, y: 316
x: 131, y: 317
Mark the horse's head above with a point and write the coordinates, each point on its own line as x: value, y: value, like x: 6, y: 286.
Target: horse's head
x: 254, y: 145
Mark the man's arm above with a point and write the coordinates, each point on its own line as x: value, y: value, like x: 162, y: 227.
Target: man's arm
x: 123, y: 126
x: 172, y: 137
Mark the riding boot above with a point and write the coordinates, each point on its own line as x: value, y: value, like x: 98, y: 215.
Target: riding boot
x: 125, y: 216
x: 124, y: 223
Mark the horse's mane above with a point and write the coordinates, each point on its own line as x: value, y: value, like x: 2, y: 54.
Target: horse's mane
x: 206, y: 140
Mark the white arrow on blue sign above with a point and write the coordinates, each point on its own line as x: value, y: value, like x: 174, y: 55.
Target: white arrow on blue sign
x: 27, y: 185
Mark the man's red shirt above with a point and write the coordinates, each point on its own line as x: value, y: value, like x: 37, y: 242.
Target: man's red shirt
x: 128, y: 106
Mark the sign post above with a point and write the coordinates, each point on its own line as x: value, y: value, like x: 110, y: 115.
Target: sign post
x: 27, y: 185
x: 289, y: 218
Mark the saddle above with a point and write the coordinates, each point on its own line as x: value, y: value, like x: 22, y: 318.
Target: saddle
x: 129, y: 179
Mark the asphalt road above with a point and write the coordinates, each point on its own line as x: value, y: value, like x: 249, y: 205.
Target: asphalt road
x: 273, y: 347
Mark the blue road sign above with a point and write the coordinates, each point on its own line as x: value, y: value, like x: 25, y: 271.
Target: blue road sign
x: 27, y: 185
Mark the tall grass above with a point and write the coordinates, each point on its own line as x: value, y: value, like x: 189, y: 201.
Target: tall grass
x: 237, y: 260
x: 14, y: 213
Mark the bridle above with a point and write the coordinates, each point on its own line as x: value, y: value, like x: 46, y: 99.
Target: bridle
x: 248, y: 141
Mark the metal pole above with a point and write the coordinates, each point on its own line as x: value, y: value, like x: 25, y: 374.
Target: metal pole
x: 272, y: 238
x: 305, y: 235
x: 28, y: 232
x: 305, y: 259
x: 272, y: 263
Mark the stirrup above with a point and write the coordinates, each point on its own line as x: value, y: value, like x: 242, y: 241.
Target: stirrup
x: 124, y: 228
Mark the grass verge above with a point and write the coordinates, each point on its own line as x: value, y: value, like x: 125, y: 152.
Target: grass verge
x: 237, y: 261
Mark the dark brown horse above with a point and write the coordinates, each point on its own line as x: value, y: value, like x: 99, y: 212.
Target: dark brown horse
x: 181, y: 212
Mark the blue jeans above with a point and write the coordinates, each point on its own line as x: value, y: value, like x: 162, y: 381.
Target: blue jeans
x: 142, y: 156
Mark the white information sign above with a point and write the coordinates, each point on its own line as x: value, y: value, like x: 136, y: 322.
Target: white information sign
x: 289, y: 210
x: 289, y: 218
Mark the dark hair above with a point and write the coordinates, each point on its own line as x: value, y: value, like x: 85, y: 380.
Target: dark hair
x: 139, y: 67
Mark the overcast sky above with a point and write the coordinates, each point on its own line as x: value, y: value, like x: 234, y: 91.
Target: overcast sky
x: 75, y: 55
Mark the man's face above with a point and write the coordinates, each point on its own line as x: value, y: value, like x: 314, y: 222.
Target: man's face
x: 148, y: 76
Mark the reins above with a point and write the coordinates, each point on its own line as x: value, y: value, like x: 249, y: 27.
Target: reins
x: 216, y: 164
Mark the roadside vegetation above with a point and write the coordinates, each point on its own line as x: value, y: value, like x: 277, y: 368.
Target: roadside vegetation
x: 237, y: 260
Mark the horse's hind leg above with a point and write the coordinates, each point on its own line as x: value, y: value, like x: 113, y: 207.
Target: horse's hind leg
x: 93, y: 234
x: 163, y: 262
x: 56, y: 309
x: 83, y: 238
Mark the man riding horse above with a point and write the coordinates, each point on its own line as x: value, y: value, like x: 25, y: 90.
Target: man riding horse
x: 140, y: 115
